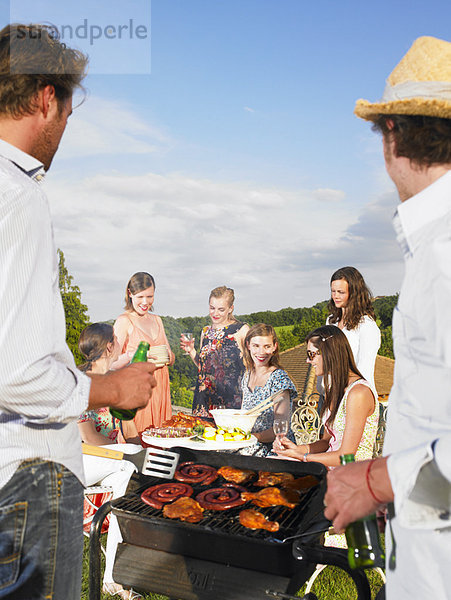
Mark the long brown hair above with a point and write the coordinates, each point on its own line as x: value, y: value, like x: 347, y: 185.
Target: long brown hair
x: 338, y: 362
x: 93, y: 342
x: 260, y: 329
x: 137, y: 283
x: 359, y: 301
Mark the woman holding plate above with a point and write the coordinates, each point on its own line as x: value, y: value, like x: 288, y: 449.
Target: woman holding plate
x: 138, y: 324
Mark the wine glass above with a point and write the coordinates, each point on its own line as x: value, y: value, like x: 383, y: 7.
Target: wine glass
x: 187, y: 337
x: 280, y: 427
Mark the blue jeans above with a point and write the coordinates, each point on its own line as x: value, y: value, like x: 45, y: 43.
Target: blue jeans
x: 41, y: 538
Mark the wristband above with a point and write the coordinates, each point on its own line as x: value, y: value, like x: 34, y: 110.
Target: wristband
x: 368, y: 469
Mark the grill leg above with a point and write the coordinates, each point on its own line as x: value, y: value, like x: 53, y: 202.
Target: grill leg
x: 338, y: 558
x: 94, y: 550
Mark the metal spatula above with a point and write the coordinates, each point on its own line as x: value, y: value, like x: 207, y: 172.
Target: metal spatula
x: 149, y: 461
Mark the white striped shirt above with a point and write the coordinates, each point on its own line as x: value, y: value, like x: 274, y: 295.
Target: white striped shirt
x: 41, y: 391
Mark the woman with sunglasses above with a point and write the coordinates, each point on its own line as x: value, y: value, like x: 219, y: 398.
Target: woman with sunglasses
x: 350, y: 412
x: 351, y: 309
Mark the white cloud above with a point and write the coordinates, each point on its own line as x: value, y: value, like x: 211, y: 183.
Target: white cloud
x: 101, y: 126
x: 328, y: 195
x: 248, y: 109
x: 192, y: 235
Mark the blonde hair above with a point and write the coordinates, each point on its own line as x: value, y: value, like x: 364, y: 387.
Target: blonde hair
x: 224, y: 292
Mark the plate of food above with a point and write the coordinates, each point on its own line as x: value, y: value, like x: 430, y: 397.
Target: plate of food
x: 204, y: 437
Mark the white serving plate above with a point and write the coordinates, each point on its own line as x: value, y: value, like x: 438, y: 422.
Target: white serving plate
x: 194, y: 445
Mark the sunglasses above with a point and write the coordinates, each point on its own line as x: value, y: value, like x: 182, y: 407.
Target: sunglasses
x: 311, y: 355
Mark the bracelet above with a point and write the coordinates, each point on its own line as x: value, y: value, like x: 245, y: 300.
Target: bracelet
x: 368, y: 469
x: 304, y: 458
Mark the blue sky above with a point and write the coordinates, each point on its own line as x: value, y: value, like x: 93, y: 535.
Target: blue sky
x: 237, y: 160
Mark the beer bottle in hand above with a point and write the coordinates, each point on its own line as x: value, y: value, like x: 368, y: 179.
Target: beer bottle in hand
x: 127, y: 414
x: 364, y: 543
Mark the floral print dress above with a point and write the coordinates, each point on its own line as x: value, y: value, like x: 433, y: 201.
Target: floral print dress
x: 220, y: 370
x: 104, y: 423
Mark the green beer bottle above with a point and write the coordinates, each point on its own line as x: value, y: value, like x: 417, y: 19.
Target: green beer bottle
x: 127, y: 414
x: 364, y: 544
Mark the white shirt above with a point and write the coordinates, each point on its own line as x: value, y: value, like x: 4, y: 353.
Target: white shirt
x: 365, y: 341
x: 419, y: 408
x: 42, y: 393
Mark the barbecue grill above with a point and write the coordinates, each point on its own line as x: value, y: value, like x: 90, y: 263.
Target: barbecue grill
x: 218, y: 557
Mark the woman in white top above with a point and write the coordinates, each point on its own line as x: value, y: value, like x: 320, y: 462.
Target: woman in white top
x: 351, y: 309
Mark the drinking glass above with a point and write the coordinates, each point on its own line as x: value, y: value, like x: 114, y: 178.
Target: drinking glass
x: 280, y: 427
x: 187, y: 337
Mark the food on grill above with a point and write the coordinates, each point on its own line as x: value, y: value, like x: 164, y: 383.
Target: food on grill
x: 252, y: 519
x: 265, y: 478
x: 158, y: 495
x: 191, y: 472
x: 181, y: 419
x: 302, y: 483
x: 236, y: 475
x: 185, y: 509
x: 272, y: 496
x: 221, y: 498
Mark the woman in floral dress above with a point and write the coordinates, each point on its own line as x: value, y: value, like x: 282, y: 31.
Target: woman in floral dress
x: 219, y: 362
x: 100, y: 347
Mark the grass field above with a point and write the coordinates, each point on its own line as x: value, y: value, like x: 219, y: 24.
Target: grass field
x: 331, y: 584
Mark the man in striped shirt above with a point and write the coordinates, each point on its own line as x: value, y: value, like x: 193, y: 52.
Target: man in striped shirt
x: 41, y: 391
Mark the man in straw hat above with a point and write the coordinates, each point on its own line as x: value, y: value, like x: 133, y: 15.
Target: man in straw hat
x: 414, y: 117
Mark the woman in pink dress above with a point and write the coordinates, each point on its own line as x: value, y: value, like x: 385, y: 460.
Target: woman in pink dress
x: 138, y: 324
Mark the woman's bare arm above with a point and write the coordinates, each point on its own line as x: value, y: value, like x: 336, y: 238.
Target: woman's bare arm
x: 90, y: 435
x: 240, y: 336
x: 359, y: 406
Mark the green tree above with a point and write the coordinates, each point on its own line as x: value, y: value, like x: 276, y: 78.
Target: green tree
x: 75, y: 311
x: 386, y: 348
x: 384, y: 307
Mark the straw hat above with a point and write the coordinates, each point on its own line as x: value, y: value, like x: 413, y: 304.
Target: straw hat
x: 419, y: 85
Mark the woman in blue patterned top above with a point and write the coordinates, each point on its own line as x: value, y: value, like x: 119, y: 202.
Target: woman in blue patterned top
x: 263, y: 377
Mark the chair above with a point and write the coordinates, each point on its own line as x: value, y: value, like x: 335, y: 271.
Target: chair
x: 305, y: 421
x: 379, y: 443
x: 94, y: 497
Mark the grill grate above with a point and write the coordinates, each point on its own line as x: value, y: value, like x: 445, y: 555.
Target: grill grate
x: 291, y: 521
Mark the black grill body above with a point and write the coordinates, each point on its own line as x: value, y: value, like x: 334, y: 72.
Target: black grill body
x: 218, y: 558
